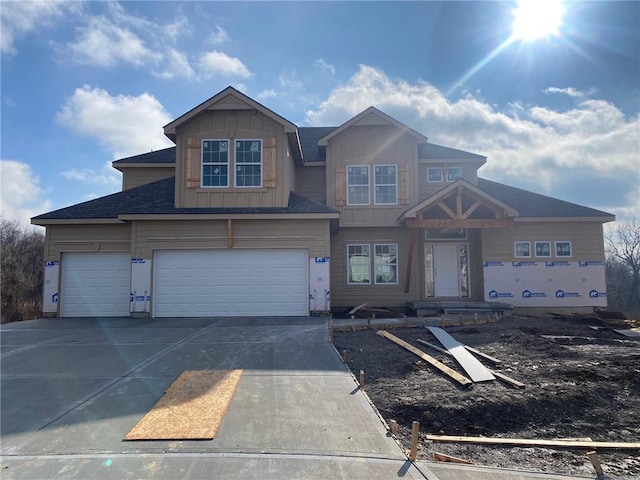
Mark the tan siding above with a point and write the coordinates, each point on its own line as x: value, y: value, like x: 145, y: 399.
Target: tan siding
x: 134, y: 177
x: 345, y: 295
x: 426, y: 189
x: 235, y: 125
x: 312, y: 183
x: 586, y: 240
x: 372, y: 145
x: 87, y: 238
x: 195, y: 234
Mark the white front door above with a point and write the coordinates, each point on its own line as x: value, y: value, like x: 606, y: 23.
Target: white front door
x: 446, y: 271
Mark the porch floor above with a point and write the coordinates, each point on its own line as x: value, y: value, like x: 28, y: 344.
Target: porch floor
x: 453, y: 307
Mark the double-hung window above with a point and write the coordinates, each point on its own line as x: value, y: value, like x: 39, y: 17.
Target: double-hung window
x: 358, y: 185
x: 248, y: 165
x: 453, y: 173
x: 358, y: 264
x: 386, y: 263
x: 215, y: 163
x: 385, y: 180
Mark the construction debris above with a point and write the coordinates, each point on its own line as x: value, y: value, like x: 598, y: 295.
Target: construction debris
x: 461, y: 379
x: 524, y: 442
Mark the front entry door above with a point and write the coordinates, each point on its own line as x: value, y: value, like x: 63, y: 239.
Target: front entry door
x: 446, y: 271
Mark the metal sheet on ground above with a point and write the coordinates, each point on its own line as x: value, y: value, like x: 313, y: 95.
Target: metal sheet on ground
x: 475, y: 370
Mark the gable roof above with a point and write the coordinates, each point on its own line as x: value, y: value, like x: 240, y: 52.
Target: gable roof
x: 431, y: 151
x: 372, y: 116
x: 534, y: 205
x: 227, y: 99
x: 166, y: 155
x: 157, y: 198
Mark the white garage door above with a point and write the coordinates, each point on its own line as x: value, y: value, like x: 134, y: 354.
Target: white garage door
x: 95, y: 284
x: 230, y: 283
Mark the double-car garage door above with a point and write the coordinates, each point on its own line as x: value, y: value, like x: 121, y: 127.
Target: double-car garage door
x: 190, y: 283
x: 214, y: 283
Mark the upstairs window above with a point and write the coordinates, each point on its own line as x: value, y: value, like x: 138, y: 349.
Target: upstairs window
x: 434, y: 174
x: 358, y: 185
x: 563, y: 249
x: 453, y: 173
x: 248, y: 163
x: 215, y: 163
x: 385, y: 184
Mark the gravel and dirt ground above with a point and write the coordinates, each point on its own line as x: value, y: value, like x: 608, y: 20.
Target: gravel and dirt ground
x: 579, y: 383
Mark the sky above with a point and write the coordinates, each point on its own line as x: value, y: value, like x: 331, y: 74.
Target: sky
x: 86, y: 83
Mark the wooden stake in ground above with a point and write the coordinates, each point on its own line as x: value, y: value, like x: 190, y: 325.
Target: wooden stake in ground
x: 415, y: 430
x: 393, y: 425
x: 461, y: 379
x: 595, y: 461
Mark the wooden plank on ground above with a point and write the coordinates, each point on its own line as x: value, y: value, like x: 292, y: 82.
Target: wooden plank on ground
x: 461, y: 379
x: 483, y: 355
x: 443, y: 457
x: 500, y: 376
x: 355, y: 309
x: 192, y: 408
x: 476, y: 371
x: 536, y: 443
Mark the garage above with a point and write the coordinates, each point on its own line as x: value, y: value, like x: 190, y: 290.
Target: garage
x: 95, y: 284
x: 230, y: 283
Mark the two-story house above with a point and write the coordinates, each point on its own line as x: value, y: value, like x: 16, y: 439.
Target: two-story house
x: 250, y: 215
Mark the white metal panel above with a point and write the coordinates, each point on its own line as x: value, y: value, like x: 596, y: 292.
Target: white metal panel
x: 95, y: 284
x: 216, y: 283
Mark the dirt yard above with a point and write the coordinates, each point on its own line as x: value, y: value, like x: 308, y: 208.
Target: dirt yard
x: 579, y: 383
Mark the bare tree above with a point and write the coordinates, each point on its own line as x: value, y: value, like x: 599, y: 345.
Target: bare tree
x: 623, y: 264
x: 21, y: 270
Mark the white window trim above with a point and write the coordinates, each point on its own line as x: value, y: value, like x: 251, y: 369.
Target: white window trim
x: 555, y: 248
x: 202, y: 164
x: 236, y: 164
x: 535, y: 249
x: 515, y: 249
x: 375, y: 196
x: 368, y: 185
x: 349, y: 282
x: 459, y: 169
x: 375, y: 264
x: 441, y: 175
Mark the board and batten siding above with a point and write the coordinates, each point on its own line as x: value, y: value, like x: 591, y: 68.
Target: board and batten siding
x: 278, y: 174
x: 311, y: 182
x: 86, y: 238
x: 587, y: 241
x: 135, y: 177
x: 204, y: 234
x: 346, y: 295
x: 371, y: 145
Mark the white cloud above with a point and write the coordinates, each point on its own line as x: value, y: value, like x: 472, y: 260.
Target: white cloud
x: 264, y: 94
x: 21, y: 196
x: 289, y: 80
x: 123, y: 124
x: 107, y: 176
x: 324, y: 66
x: 18, y: 19
x: 102, y: 43
x: 525, y: 145
x: 219, y: 63
x: 176, y: 65
x: 218, y: 36
x: 570, y: 91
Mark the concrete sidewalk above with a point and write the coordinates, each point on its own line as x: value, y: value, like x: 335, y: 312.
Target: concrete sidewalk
x: 72, y: 389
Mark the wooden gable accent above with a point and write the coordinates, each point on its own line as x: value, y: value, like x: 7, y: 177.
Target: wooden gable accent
x: 193, y: 163
x: 461, y: 205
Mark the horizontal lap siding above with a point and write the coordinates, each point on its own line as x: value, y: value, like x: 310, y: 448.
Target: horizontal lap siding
x: 312, y: 235
x: 87, y: 238
x: 134, y: 177
x: 345, y: 295
x: 311, y: 182
x: 586, y: 239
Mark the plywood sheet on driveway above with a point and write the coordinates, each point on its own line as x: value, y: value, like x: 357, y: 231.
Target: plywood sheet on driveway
x: 192, y: 408
x: 476, y: 371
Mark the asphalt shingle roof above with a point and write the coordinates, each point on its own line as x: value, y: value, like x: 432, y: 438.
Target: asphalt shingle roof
x: 158, y: 198
x: 166, y: 155
x: 530, y: 204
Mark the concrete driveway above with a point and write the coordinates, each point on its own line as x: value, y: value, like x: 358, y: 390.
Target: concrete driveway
x: 73, y: 388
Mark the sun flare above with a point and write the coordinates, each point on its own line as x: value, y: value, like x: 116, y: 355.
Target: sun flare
x: 534, y: 19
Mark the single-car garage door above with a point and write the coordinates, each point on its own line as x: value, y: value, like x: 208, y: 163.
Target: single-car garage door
x: 95, y: 284
x: 230, y: 283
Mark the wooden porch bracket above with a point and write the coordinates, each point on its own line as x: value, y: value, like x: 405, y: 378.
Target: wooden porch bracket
x: 407, y: 279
